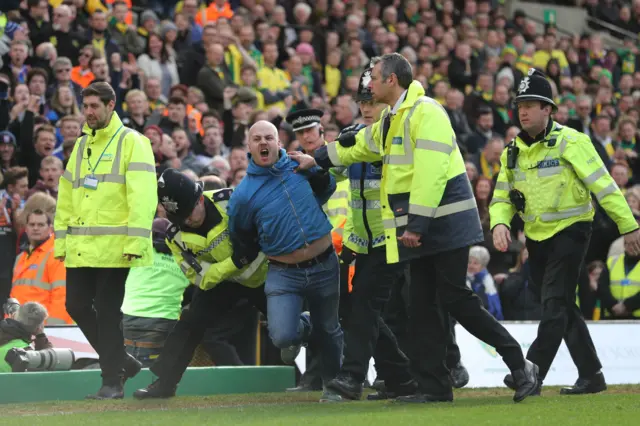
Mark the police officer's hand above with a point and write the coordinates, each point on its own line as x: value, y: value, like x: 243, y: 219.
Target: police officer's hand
x: 305, y: 162
x: 61, y: 258
x: 410, y: 239
x: 619, y: 309
x: 130, y: 257
x: 501, y: 237
x: 632, y: 243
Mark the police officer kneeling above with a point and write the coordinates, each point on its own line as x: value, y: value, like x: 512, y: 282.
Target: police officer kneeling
x: 224, y: 274
x: 547, y: 174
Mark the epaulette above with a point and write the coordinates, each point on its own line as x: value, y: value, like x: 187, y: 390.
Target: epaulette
x: 222, y: 194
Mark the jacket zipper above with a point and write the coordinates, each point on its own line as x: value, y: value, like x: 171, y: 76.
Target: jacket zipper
x: 295, y: 212
x: 364, y: 206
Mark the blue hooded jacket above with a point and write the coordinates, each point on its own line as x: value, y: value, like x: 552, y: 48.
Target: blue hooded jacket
x: 280, y: 207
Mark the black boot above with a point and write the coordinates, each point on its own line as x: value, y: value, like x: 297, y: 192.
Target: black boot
x: 405, y: 389
x: 594, y: 384
x: 508, y: 382
x: 459, y: 376
x: 108, y: 391
x: 347, y: 386
x: 131, y: 367
x: 157, y: 389
x: 525, y: 381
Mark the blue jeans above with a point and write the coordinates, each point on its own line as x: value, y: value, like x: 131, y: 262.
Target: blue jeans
x: 287, y: 289
x: 144, y: 337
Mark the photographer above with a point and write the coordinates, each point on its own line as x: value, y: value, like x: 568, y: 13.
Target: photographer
x: 20, y: 327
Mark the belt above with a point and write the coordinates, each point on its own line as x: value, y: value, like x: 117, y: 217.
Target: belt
x: 145, y: 345
x: 307, y: 263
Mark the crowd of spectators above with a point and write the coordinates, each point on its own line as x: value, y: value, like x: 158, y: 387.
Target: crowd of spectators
x: 193, y: 75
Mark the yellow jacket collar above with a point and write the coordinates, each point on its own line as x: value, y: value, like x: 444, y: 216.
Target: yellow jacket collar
x: 415, y: 92
x: 108, y: 131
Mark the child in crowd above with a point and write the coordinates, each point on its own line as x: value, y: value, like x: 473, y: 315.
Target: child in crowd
x: 481, y: 282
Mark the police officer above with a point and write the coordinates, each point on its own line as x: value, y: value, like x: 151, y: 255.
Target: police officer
x: 223, y: 274
x: 430, y: 219
x: 106, y: 203
x: 547, y: 175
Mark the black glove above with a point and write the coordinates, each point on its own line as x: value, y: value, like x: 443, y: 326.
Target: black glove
x: 347, y: 136
x: 319, y: 181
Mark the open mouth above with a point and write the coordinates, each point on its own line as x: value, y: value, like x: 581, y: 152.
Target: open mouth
x: 264, y: 154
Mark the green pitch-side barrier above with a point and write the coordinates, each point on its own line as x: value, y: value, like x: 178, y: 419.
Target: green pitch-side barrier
x: 75, y: 385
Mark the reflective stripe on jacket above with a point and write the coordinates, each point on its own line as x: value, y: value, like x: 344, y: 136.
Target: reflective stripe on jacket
x: 214, y: 253
x: 424, y: 186
x: 623, y: 286
x: 97, y: 227
x: 556, y: 176
x: 39, y: 277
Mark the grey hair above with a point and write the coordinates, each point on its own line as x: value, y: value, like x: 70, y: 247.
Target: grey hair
x: 395, y: 63
x: 62, y: 61
x: 302, y: 6
x: 32, y: 315
x: 481, y: 254
x: 584, y: 98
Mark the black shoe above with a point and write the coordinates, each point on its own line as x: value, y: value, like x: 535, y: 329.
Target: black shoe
x: 131, y: 367
x: 594, y: 384
x: 508, y: 382
x: 305, y: 387
x: 404, y: 389
x: 108, y: 392
x: 157, y: 389
x: 347, y: 386
x: 459, y: 376
x: 525, y: 381
x: 424, y: 398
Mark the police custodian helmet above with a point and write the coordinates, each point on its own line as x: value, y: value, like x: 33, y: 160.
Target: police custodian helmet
x: 178, y: 195
x: 364, y: 92
x: 535, y: 87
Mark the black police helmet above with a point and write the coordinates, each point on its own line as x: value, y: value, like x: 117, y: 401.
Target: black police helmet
x: 535, y: 87
x: 178, y: 195
x: 364, y: 92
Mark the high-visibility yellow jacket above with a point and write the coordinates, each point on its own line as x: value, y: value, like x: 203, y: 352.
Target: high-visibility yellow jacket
x: 215, y: 253
x: 95, y: 228
x: 623, y: 286
x: 556, y: 176
x: 337, y: 208
x: 424, y: 186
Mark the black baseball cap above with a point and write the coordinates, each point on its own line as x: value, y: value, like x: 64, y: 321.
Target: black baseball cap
x: 178, y: 194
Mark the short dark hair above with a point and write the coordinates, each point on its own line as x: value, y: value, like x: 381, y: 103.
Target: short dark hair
x: 101, y: 89
x: 14, y: 174
x: 177, y: 100
x: 39, y: 212
x: 37, y: 71
x: 395, y: 63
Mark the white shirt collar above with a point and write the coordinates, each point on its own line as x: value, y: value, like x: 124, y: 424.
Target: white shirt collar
x: 401, y: 99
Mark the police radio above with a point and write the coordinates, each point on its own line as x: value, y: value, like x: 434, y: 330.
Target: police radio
x: 187, y: 254
x: 512, y: 156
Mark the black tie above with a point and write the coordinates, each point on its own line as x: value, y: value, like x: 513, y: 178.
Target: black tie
x: 385, y: 128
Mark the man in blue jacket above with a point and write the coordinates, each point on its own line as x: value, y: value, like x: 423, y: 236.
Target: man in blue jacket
x: 283, y: 208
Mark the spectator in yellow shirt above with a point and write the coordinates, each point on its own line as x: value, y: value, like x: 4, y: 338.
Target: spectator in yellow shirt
x: 541, y: 57
x: 273, y: 82
x: 332, y: 74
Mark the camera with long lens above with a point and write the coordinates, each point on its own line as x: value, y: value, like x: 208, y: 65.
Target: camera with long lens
x: 52, y: 359
x: 10, y: 307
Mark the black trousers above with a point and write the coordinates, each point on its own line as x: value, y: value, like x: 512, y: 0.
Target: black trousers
x: 396, y: 317
x: 555, y: 267
x: 206, y: 308
x: 438, y: 285
x: 94, y: 298
x: 367, y: 334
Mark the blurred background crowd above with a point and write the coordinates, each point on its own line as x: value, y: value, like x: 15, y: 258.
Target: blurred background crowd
x: 194, y: 75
